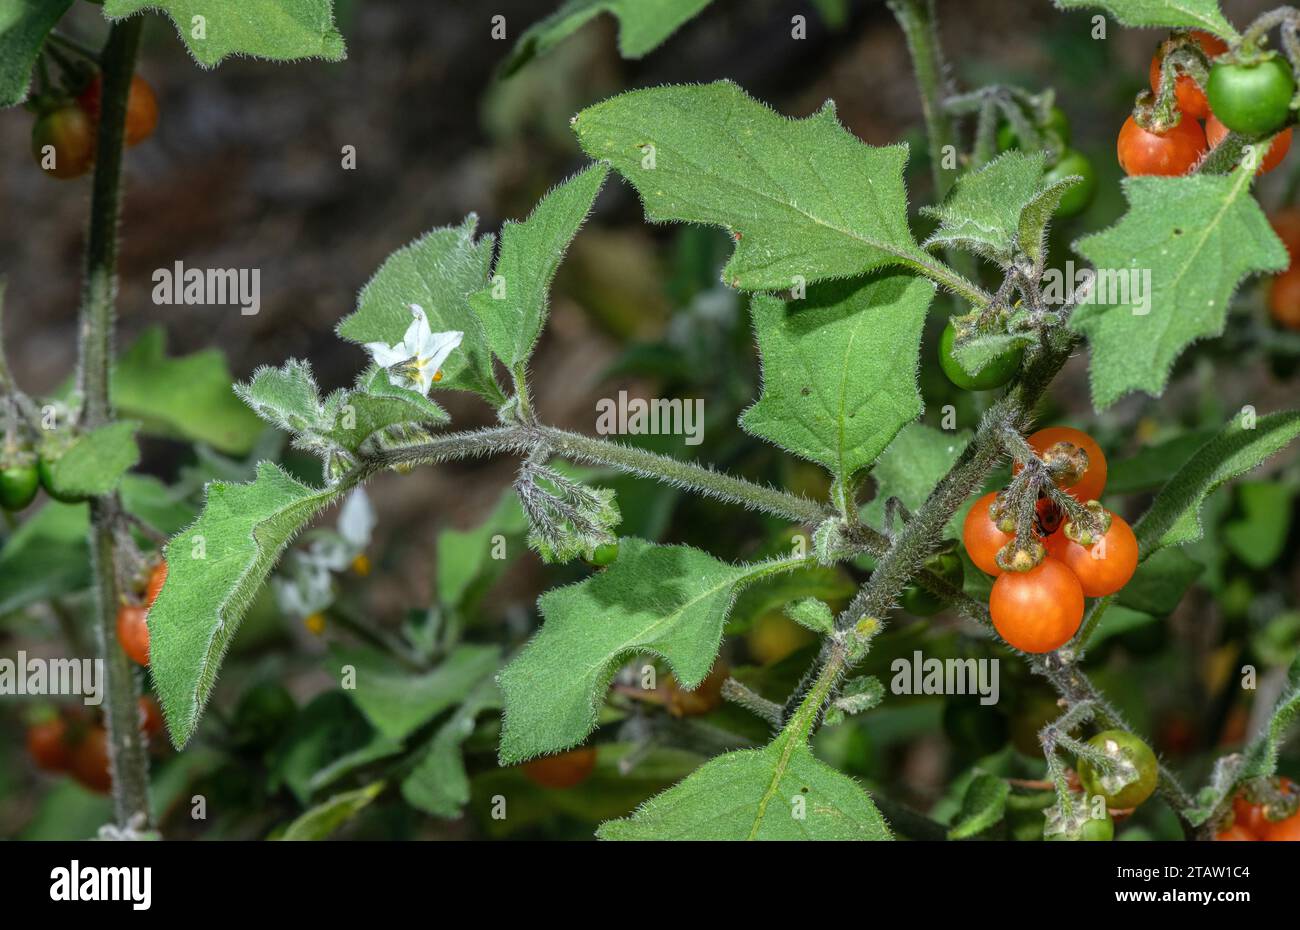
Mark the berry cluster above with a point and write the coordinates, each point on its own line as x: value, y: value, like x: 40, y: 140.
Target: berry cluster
x: 1195, y: 77
x: 1066, y: 548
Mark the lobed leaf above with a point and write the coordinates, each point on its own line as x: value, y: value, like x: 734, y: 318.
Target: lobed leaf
x: 513, y: 307
x: 669, y: 601
x: 1174, y: 516
x: 1167, y: 272
x: 438, y: 271
x: 985, y: 209
x: 1193, y: 14
x: 839, y: 369
x: 643, y: 25
x: 281, y: 30
x: 804, y: 199
x: 779, y: 792
x: 215, y: 566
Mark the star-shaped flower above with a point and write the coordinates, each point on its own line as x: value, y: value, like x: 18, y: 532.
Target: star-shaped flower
x: 414, y: 362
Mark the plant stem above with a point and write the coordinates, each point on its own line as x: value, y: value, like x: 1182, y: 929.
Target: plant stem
x: 699, y: 478
x: 1076, y: 688
x: 128, y: 762
x: 917, y: 19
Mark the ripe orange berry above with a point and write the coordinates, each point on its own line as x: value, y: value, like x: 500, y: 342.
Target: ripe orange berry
x: 133, y: 632
x: 1091, y: 483
x: 1105, y: 566
x: 1038, y: 610
x: 981, y: 536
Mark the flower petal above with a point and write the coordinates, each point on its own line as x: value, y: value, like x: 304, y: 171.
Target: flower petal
x: 386, y: 356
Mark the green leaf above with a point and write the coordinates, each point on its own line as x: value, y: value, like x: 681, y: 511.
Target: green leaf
x: 1160, y: 582
x: 466, y: 565
x: 983, y: 213
x: 1194, y: 14
x: 982, y: 806
x: 912, y: 465
x: 1261, y: 757
x: 45, y: 557
x: 286, y: 397
x: 438, y: 784
x: 280, y: 30
x: 397, y: 702
x: 779, y: 792
x: 839, y: 369
x: 1174, y: 516
x: 188, y: 397
x: 328, y: 729
x: 1168, y: 270
x: 95, y: 462
x: 214, y: 568
x: 669, y: 601
x: 1032, y: 232
x: 438, y: 271
x: 976, y: 351
x: 1150, y: 467
x: 24, y: 24
x: 513, y: 307
x: 803, y: 199
x: 643, y: 25
x: 324, y: 819
x: 1259, y: 535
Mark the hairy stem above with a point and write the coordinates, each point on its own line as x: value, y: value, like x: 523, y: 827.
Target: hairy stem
x: 916, y: 17
x: 128, y: 762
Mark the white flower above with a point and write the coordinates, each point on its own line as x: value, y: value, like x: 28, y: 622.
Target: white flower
x: 414, y: 362
x: 357, y: 520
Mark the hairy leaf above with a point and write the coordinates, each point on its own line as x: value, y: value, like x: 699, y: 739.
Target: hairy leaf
x: 779, y: 792
x: 1258, y: 537
x: 982, y: 806
x: 643, y: 25
x: 94, y: 463
x: 669, y: 601
x: 984, y: 211
x: 513, y: 307
x: 281, y: 30
x: 1167, y: 272
x: 214, y: 567
x: 24, y: 24
x: 839, y: 369
x: 438, y: 271
x: 1174, y: 516
x: 321, y: 821
x: 803, y: 199
x: 1261, y: 757
x: 1195, y: 14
